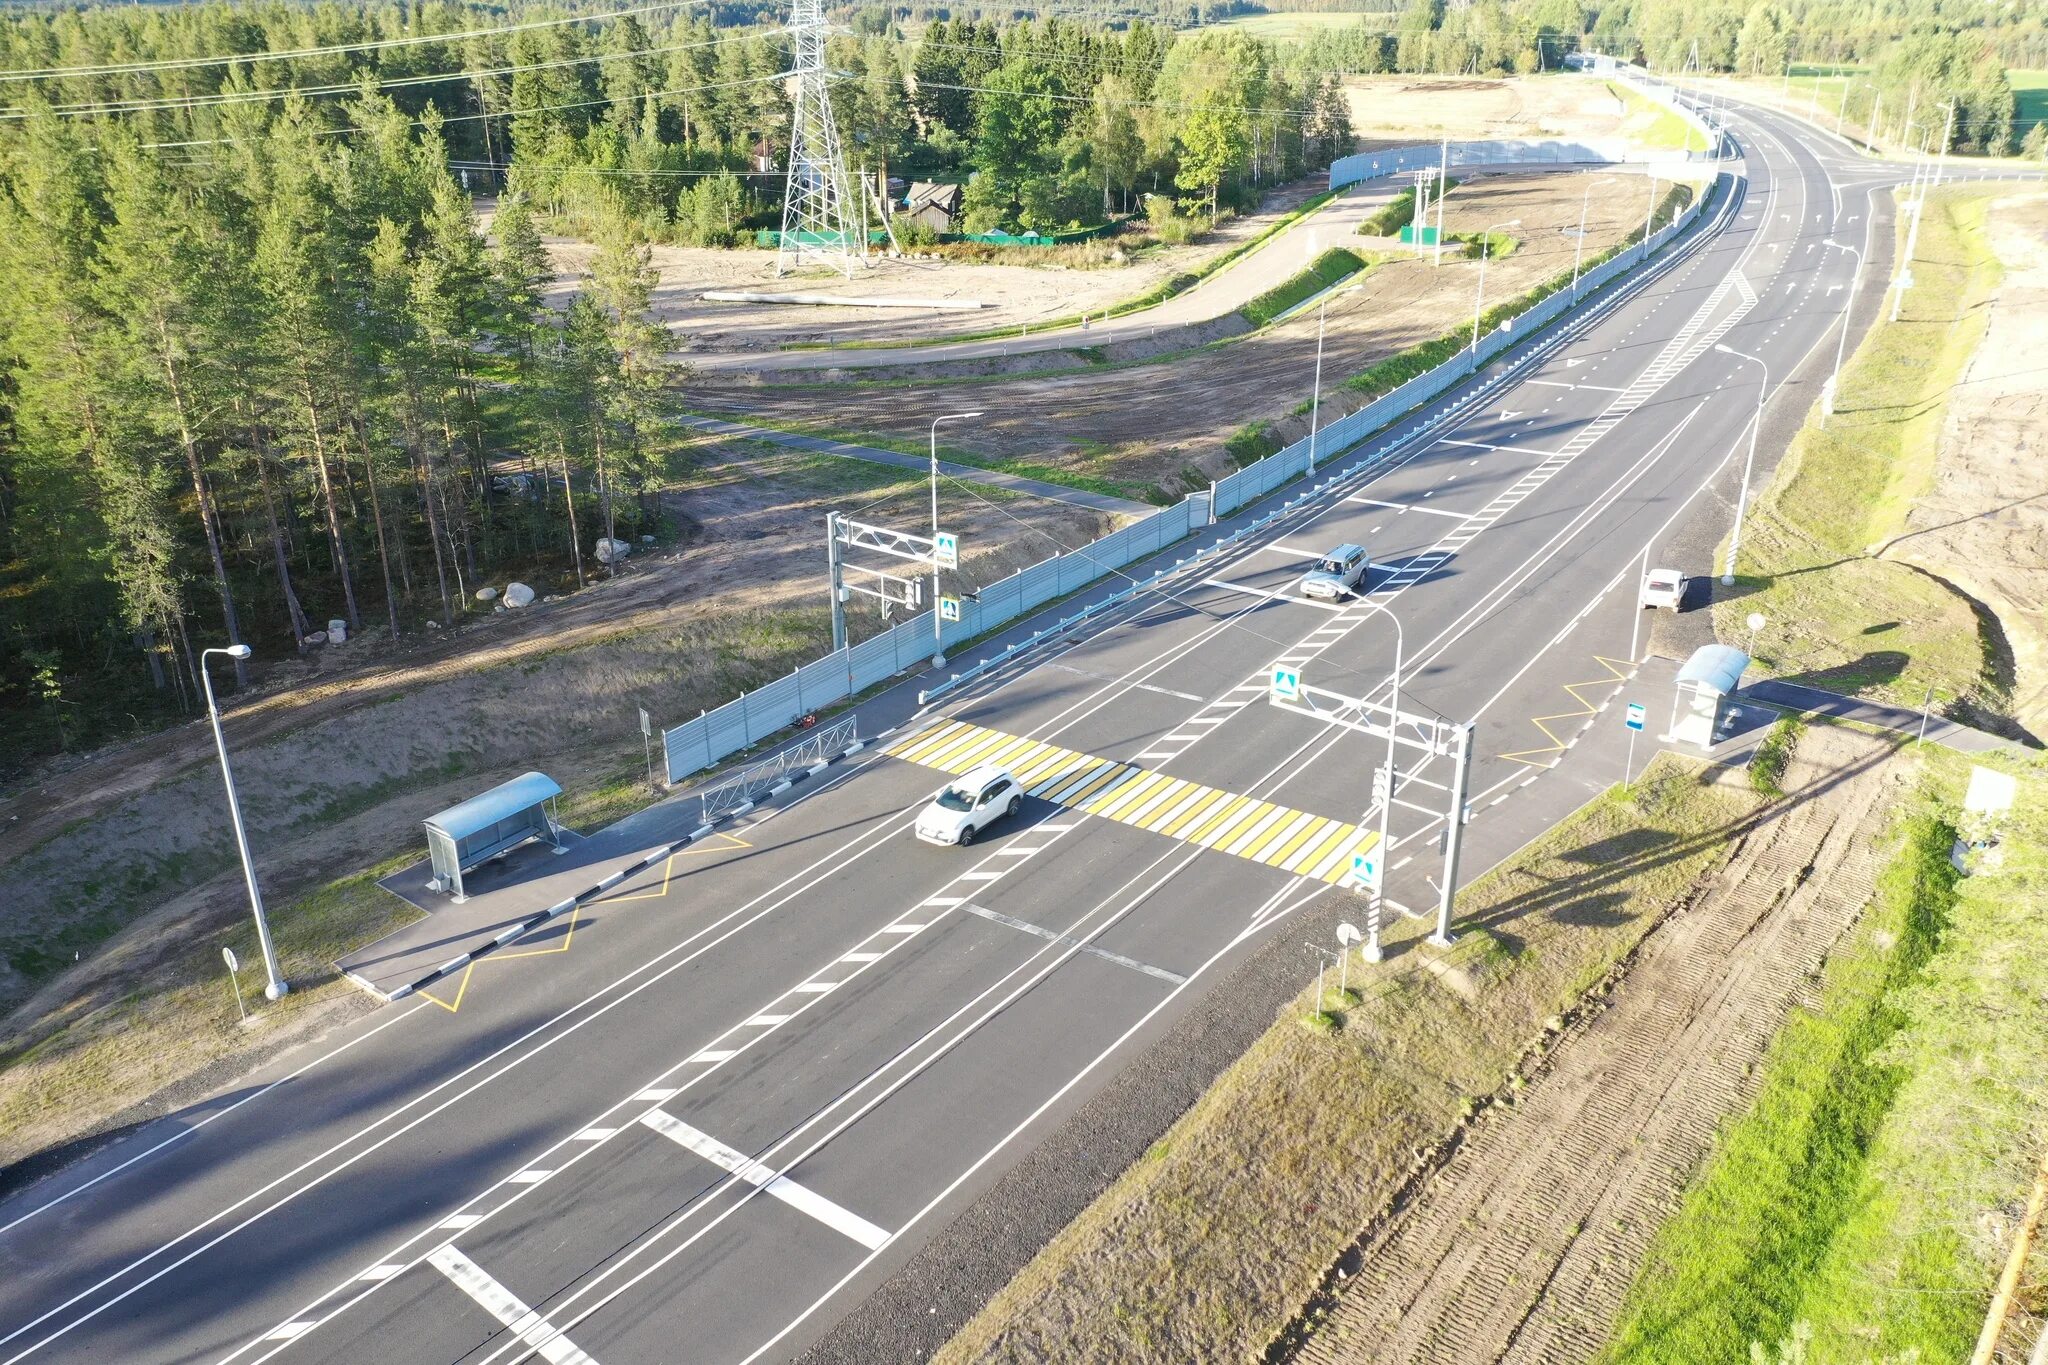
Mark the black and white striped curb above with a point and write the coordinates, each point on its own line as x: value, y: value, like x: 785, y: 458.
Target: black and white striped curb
x: 564, y: 906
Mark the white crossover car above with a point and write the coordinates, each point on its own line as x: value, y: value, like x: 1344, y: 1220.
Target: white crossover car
x: 1663, y: 589
x: 969, y: 806
x: 1337, y: 574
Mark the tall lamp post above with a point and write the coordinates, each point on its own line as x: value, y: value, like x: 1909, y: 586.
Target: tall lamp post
x: 938, y: 623
x: 1585, y: 202
x: 275, y: 988
x: 1479, y: 301
x: 1827, y: 401
x: 1315, y: 402
x: 1749, y: 462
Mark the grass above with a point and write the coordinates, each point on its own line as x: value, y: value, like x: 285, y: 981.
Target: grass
x: 1327, y: 271
x: 1397, y: 213
x: 1301, y: 25
x: 1767, y: 764
x: 2030, y: 93
x: 1836, y: 614
x: 1206, y: 1248
x: 1655, y: 125
x: 1859, y: 1207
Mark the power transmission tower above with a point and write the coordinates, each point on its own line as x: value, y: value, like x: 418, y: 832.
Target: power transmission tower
x: 818, y: 222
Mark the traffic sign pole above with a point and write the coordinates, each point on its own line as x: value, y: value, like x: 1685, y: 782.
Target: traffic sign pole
x: 1634, y: 717
x: 228, y: 956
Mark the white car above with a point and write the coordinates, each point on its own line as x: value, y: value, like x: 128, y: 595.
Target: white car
x: 1337, y: 573
x: 1663, y: 589
x: 969, y: 806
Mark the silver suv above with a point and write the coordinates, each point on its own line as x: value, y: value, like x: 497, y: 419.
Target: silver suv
x: 1337, y: 574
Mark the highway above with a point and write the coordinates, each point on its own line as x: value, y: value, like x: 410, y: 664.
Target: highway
x: 756, y: 1082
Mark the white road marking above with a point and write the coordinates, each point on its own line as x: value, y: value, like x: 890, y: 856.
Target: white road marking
x: 456, y: 1222
x: 290, y: 1330
x: 1407, y: 507
x: 768, y: 1020
x: 530, y: 1177
x: 1275, y: 596
x: 1485, y: 445
x: 798, y: 1197
x: 529, y: 1326
x: 1052, y: 936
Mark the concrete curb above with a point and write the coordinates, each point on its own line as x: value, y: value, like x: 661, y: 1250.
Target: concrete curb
x: 565, y: 905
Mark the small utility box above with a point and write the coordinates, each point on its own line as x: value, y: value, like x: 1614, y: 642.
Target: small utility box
x: 490, y: 824
x: 1701, y: 712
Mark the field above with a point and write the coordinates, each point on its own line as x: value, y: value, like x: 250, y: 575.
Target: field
x: 1174, y: 436
x: 1297, y: 25
x: 1886, y: 594
x: 1390, y: 110
x: 2030, y: 89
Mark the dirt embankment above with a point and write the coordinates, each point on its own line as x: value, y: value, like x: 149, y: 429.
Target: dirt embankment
x: 1013, y: 296
x: 1165, y: 424
x: 1983, y: 526
x: 1522, y: 1246
x: 1405, y: 109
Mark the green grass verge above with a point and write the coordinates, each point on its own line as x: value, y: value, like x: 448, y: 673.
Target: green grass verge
x: 2030, y: 95
x: 1206, y: 1247
x: 1767, y: 764
x: 1397, y: 213
x: 1327, y: 271
x: 1855, y: 1212
x: 1836, y: 615
x: 1158, y: 294
x: 1651, y: 124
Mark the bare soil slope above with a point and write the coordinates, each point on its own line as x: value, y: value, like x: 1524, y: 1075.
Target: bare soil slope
x: 1521, y: 1247
x: 1397, y: 109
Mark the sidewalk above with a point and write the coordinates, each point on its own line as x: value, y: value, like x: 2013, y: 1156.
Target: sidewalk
x: 966, y: 473
x: 1905, y: 720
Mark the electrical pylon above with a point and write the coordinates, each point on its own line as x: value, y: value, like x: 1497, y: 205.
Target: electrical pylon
x: 816, y: 222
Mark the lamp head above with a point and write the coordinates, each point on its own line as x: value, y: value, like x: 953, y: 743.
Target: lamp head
x: 238, y: 651
x: 1724, y: 349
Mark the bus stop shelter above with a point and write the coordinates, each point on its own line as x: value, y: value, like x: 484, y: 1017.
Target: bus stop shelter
x: 490, y: 824
x: 1700, y: 708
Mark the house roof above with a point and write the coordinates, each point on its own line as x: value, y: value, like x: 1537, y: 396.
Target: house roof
x: 926, y: 194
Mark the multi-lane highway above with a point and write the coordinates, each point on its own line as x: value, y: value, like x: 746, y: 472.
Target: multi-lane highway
x: 754, y: 1083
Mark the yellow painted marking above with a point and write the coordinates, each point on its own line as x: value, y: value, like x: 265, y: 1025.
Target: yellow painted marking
x: 1298, y: 841
x: 461, y: 988
x: 1283, y: 857
x: 1544, y: 757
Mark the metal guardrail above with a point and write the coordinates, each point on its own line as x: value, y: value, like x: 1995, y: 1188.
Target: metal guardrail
x: 748, y: 783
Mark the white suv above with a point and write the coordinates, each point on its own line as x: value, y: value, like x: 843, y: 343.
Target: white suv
x: 1663, y: 589
x: 969, y: 806
x: 1337, y: 573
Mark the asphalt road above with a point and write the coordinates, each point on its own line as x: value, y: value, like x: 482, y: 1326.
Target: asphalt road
x: 753, y: 1084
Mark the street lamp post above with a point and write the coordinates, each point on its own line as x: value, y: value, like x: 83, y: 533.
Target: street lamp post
x: 938, y: 621
x: 1585, y: 202
x: 1479, y: 301
x: 1749, y: 462
x: 1827, y: 402
x: 1315, y: 402
x: 275, y: 988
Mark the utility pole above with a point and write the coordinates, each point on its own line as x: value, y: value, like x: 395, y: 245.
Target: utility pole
x: 275, y: 988
x: 938, y: 616
x: 1454, y: 835
x: 1763, y: 389
x: 817, y: 221
x: 1443, y: 188
x: 832, y: 564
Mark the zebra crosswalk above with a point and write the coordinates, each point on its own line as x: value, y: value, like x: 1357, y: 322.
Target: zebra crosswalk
x: 1294, y: 841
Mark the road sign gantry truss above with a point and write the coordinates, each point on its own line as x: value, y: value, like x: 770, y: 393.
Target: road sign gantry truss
x: 842, y: 534
x: 1431, y: 736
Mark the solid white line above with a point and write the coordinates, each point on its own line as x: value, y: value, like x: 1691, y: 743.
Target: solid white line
x: 1486, y: 445
x: 798, y: 1197
x: 529, y: 1326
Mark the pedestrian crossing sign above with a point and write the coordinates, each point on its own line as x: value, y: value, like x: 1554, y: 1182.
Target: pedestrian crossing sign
x: 1365, y: 870
x: 949, y: 608
x: 946, y: 550
x: 1286, y: 683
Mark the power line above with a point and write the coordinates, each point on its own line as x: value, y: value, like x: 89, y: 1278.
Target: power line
x: 221, y: 98
x: 376, y: 45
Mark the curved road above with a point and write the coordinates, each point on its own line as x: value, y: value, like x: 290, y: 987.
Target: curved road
x: 750, y: 1087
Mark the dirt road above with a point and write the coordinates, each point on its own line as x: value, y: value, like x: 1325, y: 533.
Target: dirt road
x: 1521, y: 1248
x: 1151, y: 425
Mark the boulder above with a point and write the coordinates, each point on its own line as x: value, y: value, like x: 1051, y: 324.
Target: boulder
x: 609, y: 549
x: 486, y: 594
x: 518, y: 595
x: 318, y: 637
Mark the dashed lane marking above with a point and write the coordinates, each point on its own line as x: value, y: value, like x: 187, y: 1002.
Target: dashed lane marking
x: 1025, y: 926
x: 523, y: 1322
x: 799, y: 1197
x: 1294, y: 841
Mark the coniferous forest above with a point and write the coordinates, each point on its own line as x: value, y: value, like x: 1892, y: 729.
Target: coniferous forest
x: 264, y: 365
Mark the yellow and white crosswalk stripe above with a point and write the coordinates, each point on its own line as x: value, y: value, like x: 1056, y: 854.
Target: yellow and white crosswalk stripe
x: 1292, y: 840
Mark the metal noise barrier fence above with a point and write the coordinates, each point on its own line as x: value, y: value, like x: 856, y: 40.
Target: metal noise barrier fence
x: 741, y: 788
x: 767, y: 711
x: 1256, y: 480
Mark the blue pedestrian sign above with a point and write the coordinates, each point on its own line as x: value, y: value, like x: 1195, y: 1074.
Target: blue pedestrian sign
x: 949, y: 608
x: 1635, y: 715
x: 1365, y: 870
x: 946, y: 550
x: 1286, y: 683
